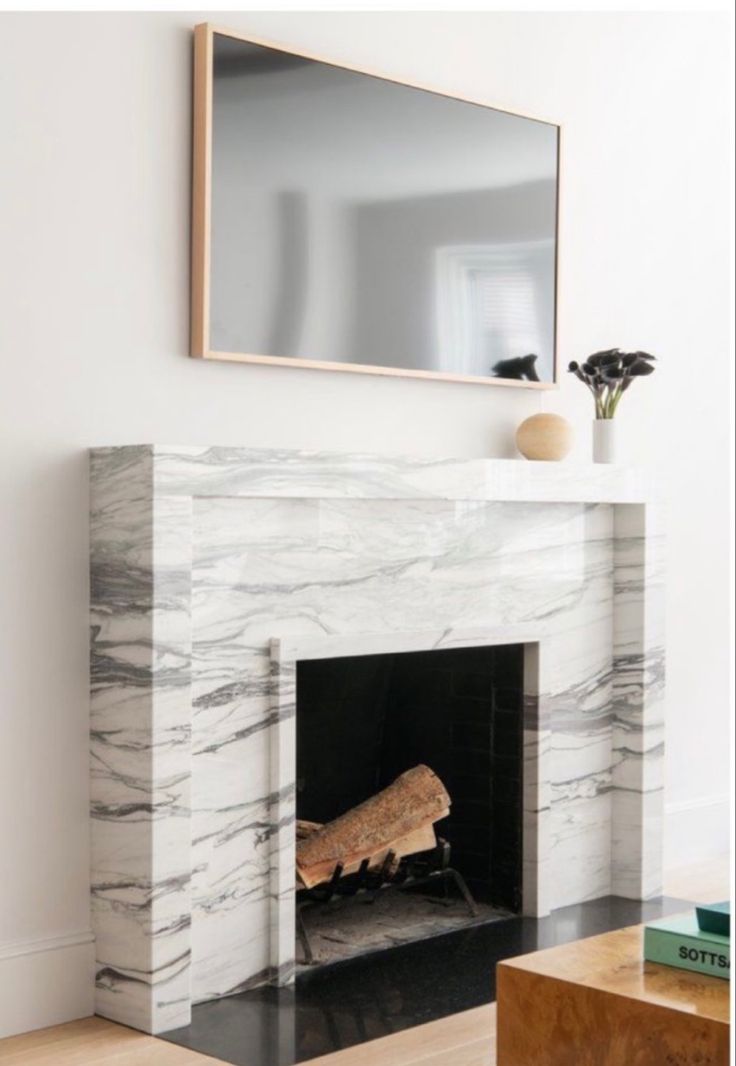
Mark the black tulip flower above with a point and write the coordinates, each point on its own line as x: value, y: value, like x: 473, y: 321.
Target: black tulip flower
x: 597, y: 358
x: 641, y: 368
x: 609, y: 373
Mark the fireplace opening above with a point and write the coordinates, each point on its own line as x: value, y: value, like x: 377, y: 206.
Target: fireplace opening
x: 362, y: 722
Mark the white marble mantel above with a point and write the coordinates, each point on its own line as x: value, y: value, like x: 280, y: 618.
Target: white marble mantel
x: 227, y: 471
x: 215, y: 569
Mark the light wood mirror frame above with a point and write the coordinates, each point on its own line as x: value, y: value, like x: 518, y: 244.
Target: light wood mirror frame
x: 201, y: 222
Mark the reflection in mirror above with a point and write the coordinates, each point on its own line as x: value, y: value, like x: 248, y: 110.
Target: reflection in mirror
x: 358, y: 221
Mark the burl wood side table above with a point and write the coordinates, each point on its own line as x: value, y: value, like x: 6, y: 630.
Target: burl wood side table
x: 595, y: 1002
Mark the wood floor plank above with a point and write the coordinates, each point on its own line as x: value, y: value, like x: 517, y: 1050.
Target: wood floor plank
x: 40, y: 1043
x: 154, y: 1052
x: 68, y: 1049
x: 442, y: 1038
x: 38, y: 1038
x: 95, y: 1042
x: 479, y: 1053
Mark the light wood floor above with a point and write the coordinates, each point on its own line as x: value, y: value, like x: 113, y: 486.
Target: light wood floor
x: 466, y: 1039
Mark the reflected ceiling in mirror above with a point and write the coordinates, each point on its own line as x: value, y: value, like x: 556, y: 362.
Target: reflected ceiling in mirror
x: 348, y: 222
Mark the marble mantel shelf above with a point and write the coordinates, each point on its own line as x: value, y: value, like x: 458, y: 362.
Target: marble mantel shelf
x: 234, y: 471
x: 215, y: 569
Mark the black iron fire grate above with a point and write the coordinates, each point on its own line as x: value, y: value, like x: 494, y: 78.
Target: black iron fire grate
x: 428, y: 868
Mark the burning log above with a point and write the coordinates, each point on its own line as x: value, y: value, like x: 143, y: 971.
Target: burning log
x: 398, y: 820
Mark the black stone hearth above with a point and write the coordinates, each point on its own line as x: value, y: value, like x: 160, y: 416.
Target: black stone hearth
x: 372, y: 996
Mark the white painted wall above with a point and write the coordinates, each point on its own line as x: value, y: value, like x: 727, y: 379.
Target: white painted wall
x: 94, y: 190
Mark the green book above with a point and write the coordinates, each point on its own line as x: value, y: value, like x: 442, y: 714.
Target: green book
x: 679, y: 942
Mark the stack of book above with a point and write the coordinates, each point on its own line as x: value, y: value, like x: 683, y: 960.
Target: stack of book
x: 699, y: 941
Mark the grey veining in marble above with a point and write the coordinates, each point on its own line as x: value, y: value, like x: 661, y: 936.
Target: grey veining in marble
x: 214, y: 570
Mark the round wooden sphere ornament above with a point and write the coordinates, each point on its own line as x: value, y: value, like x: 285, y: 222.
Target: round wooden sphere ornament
x: 544, y: 436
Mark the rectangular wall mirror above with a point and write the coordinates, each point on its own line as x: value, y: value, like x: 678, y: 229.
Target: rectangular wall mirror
x: 344, y: 221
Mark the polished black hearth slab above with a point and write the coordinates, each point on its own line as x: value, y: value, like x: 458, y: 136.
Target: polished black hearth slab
x: 371, y: 996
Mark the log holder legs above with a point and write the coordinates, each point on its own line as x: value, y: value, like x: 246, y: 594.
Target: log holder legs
x: 414, y: 871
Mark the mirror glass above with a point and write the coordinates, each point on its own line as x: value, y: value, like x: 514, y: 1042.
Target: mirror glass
x: 356, y: 220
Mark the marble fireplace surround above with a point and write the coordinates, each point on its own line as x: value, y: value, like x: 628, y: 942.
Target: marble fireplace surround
x: 214, y: 570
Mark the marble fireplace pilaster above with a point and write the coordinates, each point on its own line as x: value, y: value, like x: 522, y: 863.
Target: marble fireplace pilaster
x: 215, y: 569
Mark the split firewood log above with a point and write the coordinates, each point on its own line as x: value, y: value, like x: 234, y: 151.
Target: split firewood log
x: 423, y: 839
x: 305, y: 829
x: 398, y: 819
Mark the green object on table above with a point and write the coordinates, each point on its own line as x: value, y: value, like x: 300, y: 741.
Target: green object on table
x: 679, y: 942
x: 715, y: 918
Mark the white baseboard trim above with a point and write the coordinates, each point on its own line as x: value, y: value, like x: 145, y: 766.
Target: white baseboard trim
x: 696, y: 830
x: 46, y: 982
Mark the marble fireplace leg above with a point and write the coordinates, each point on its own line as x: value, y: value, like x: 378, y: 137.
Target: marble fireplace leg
x: 140, y: 744
x: 283, y: 818
x: 536, y: 896
x: 638, y: 701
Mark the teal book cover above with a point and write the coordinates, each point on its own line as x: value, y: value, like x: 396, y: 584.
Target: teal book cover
x: 680, y: 942
x: 715, y: 918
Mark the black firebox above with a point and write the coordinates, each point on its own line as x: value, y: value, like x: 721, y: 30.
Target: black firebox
x: 363, y: 720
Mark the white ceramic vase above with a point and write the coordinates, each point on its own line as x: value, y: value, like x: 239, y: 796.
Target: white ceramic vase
x: 604, y: 440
